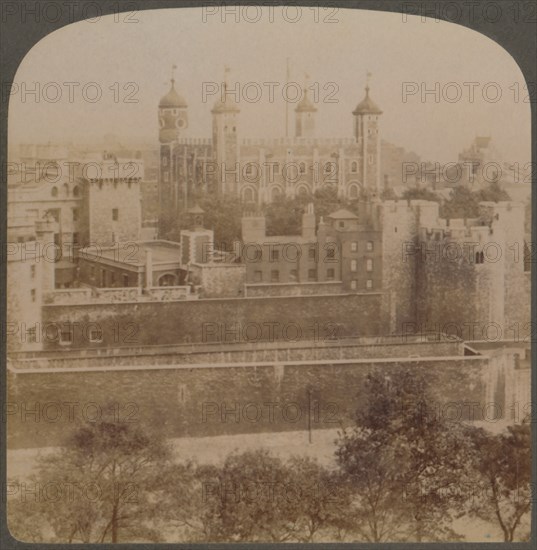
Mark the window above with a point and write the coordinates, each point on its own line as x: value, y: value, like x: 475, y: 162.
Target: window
x: 341, y: 224
x: 32, y: 271
x: 293, y: 275
x: 258, y: 276
x: 76, y: 191
x: 115, y: 214
x: 311, y: 254
x: 330, y: 252
x: 479, y: 258
x: 57, y: 247
x: 95, y: 335
x: 330, y: 274
x: 275, y: 276
x: 395, y: 229
x: 276, y: 168
x: 354, y: 284
x: 353, y: 265
x: 329, y: 167
x: 274, y: 255
x: 125, y: 280
x: 354, y: 247
x: 32, y: 294
x: 75, y: 214
x: 369, y: 246
x: 312, y: 275
x: 54, y: 191
x: 75, y: 239
x: 354, y: 166
x: 369, y: 284
x: 31, y: 332
x: 66, y: 336
x: 369, y: 264
x: 302, y: 168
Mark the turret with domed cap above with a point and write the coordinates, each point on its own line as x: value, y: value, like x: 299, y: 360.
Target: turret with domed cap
x: 305, y: 116
x: 366, y: 132
x: 172, y: 114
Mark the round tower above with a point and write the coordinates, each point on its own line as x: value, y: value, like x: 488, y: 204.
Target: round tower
x: 366, y: 131
x: 172, y: 115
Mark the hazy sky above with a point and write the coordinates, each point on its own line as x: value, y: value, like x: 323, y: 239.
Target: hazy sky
x: 110, y: 51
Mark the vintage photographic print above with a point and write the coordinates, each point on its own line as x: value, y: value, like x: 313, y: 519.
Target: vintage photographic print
x: 268, y: 278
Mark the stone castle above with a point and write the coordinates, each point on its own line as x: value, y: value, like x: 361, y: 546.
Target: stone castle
x: 258, y: 170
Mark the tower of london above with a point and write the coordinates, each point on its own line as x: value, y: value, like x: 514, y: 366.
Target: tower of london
x: 258, y: 170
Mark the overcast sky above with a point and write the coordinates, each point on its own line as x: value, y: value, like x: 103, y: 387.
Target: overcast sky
x: 395, y: 52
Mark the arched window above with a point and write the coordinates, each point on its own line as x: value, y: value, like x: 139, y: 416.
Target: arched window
x: 353, y: 192
x: 354, y: 166
x: 76, y: 191
x: 302, y: 167
x: 248, y: 195
x: 329, y: 167
x: 66, y: 189
x: 54, y: 191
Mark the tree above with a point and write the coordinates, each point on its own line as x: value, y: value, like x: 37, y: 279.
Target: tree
x: 100, y: 487
x: 492, y: 193
x: 256, y: 497
x: 399, y: 458
x: 503, y: 465
x: 420, y: 193
x: 462, y: 203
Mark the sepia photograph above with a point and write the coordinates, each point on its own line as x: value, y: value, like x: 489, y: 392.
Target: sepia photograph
x: 268, y: 276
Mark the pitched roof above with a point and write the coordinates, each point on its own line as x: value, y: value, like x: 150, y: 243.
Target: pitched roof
x: 342, y: 214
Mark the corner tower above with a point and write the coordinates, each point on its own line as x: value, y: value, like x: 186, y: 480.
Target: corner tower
x: 305, y: 117
x: 366, y: 131
x: 225, y: 141
x: 173, y: 120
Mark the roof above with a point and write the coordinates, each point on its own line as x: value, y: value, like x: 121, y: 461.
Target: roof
x: 367, y: 106
x: 305, y: 105
x: 342, y: 214
x: 196, y: 210
x: 172, y: 100
x: 225, y: 106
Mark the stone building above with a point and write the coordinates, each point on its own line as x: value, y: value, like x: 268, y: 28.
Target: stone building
x: 343, y: 251
x: 93, y: 200
x: 258, y: 170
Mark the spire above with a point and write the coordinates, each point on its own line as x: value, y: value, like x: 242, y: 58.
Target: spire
x: 305, y: 104
x: 223, y: 104
x: 172, y: 99
x: 367, y: 106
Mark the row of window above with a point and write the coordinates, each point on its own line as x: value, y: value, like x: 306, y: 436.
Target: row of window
x: 293, y: 275
x: 312, y: 252
x: 312, y: 277
x: 108, y: 278
x: 76, y: 191
x: 251, y: 167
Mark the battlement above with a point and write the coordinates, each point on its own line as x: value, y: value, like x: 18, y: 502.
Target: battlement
x: 194, y: 141
x: 294, y: 141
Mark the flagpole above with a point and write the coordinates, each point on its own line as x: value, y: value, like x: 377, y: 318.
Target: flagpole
x: 287, y: 103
